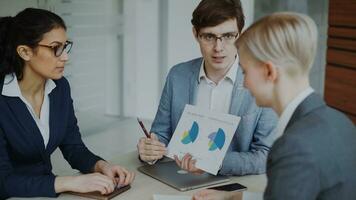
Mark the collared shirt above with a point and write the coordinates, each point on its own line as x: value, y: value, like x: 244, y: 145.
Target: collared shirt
x: 289, y: 110
x: 216, y: 97
x: 11, y: 88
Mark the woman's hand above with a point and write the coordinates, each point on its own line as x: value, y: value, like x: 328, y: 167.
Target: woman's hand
x: 208, y: 194
x: 118, y: 174
x: 85, y: 183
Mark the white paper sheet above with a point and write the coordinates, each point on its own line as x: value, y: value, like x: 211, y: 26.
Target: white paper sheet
x: 171, y: 197
x: 206, y: 135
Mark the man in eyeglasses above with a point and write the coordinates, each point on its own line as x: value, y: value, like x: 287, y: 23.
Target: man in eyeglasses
x: 215, y: 82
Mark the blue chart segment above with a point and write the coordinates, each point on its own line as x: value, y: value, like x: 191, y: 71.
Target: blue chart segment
x: 217, y: 140
x: 191, y: 135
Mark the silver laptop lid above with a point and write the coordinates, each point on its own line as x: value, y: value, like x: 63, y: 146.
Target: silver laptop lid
x: 170, y: 174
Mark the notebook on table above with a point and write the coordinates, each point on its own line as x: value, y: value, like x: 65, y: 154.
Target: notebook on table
x: 97, y: 195
x: 170, y: 174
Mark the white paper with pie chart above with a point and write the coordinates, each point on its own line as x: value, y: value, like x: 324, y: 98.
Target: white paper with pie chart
x: 204, y: 134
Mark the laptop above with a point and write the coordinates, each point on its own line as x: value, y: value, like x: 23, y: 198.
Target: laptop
x: 170, y: 174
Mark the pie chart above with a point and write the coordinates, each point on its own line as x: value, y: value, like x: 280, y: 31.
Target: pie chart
x: 217, y: 140
x: 191, y: 135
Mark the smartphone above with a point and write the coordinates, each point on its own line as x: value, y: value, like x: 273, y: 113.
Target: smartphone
x: 230, y: 187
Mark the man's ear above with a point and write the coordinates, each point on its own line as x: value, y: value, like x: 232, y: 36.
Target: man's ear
x: 270, y: 71
x: 25, y: 52
x: 195, y: 33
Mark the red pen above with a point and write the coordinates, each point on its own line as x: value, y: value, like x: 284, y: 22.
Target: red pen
x: 143, y: 128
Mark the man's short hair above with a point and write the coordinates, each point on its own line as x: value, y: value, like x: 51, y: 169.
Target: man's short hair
x: 214, y: 12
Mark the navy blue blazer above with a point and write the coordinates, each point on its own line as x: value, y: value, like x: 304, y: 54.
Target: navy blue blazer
x: 25, y: 165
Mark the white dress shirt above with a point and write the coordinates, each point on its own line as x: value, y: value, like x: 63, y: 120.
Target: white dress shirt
x: 289, y: 110
x: 11, y: 88
x: 216, y: 97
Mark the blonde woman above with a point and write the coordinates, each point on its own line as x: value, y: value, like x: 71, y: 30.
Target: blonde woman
x: 314, y: 157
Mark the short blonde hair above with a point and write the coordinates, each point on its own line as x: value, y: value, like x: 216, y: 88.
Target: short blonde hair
x: 287, y: 39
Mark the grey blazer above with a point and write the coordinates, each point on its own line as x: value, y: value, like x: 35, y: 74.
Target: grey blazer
x: 248, y: 151
x: 316, y: 156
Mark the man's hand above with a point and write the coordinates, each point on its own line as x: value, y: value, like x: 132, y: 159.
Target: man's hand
x: 188, y: 164
x: 151, y: 149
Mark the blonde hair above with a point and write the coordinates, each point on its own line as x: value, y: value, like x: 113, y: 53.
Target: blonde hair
x: 287, y: 39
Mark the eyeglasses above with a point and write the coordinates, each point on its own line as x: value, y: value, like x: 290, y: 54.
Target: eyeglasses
x: 59, y: 49
x: 226, y: 38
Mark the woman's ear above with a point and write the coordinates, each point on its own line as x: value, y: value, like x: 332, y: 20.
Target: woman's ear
x: 25, y: 52
x: 270, y: 71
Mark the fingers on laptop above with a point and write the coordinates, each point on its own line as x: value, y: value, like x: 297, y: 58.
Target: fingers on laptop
x: 179, y: 163
x: 183, y: 162
x: 188, y: 163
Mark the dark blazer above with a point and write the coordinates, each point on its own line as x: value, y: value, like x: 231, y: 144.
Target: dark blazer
x: 25, y: 165
x: 316, y: 156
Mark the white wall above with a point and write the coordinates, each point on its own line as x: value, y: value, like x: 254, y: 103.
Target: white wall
x: 11, y: 7
x: 181, y: 43
x: 157, y: 35
x: 140, y: 95
x: 94, y: 66
x: 248, y: 8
